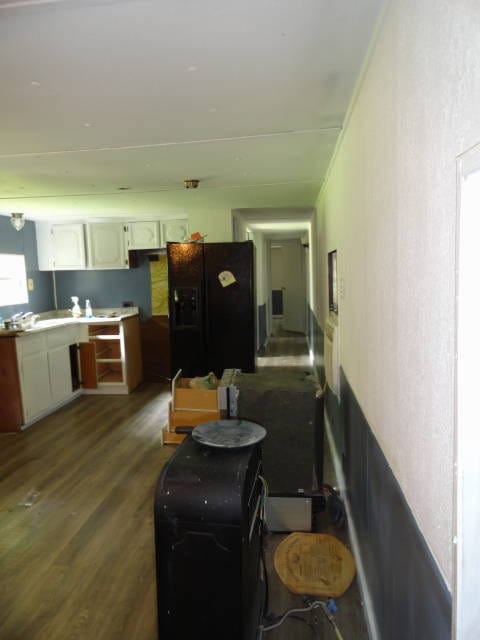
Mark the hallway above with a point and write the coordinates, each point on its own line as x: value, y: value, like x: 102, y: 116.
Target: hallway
x: 286, y: 354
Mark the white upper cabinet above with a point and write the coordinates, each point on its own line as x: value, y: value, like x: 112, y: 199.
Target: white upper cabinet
x: 144, y: 235
x: 174, y: 231
x: 68, y: 243
x: 106, y: 245
x: 60, y: 246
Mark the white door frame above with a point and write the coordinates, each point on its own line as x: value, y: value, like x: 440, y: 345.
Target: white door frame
x: 466, y: 613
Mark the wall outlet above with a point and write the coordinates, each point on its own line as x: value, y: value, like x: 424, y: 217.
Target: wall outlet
x: 30, y: 284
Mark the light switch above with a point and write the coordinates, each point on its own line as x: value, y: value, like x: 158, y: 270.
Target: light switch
x: 30, y: 284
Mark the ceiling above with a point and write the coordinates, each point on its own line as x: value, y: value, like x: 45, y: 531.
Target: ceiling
x: 107, y: 105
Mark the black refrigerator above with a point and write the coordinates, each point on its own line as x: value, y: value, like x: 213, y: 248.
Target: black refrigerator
x: 211, y: 307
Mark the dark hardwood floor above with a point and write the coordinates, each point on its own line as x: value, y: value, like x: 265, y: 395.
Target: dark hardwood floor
x: 76, y: 526
x: 76, y: 520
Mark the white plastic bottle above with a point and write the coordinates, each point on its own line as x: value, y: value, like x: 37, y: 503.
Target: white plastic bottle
x: 88, y: 309
x: 76, y: 311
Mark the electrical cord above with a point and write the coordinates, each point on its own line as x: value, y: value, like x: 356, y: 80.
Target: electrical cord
x: 328, y: 614
x: 312, y: 605
x: 288, y: 613
x: 264, y: 496
x: 313, y: 627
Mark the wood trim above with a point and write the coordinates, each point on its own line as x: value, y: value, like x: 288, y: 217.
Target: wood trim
x: 133, y: 352
x: 11, y: 411
x: 88, y: 367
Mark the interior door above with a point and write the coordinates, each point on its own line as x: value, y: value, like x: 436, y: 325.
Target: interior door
x: 294, y: 287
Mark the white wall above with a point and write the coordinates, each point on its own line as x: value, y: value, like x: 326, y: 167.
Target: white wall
x: 217, y: 225
x: 277, y: 267
x: 388, y: 207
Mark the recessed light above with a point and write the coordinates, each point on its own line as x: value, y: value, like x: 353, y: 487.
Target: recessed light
x: 35, y: 83
x: 191, y: 69
x: 213, y: 109
x: 87, y: 124
x: 123, y: 188
x: 238, y: 158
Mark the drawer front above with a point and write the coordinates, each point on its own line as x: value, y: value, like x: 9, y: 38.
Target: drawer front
x: 61, y: 336
x: 27, y: 345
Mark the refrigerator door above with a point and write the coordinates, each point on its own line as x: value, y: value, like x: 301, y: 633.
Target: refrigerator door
x: 186, y: 312
x: 229, y: 306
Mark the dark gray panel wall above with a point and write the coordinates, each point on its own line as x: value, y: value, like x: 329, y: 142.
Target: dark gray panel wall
x: 108, y: 287
x: 24, y: 242
x: 262, y: 326
x: 409, y: 595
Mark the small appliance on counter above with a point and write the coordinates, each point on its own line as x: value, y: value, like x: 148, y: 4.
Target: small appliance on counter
x: 21, y: 321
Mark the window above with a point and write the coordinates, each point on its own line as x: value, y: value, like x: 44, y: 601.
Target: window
x: 13, y: 279
x: 332, y: 282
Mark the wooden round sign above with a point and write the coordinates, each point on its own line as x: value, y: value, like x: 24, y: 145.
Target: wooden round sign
x: 316, y: 564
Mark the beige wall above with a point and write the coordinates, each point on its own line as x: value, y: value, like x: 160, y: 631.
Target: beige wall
x: 215, y: 224
x: 389, y: 208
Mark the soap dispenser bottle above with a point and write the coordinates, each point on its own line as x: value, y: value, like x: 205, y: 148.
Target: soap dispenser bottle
x: 76, y: 311
x: 88, y: 309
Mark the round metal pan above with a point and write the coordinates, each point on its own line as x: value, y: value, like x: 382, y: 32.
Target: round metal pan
x: 228, y: 434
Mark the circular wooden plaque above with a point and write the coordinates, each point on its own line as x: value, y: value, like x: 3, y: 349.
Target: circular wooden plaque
x: 316, y: 564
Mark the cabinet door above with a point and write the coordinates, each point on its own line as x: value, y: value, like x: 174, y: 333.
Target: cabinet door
x: 43, y: 232
x: 35, y: 384
x: 144, y: 235
x: 106, y: 245
x: 68, y: 246
x: 174, y: 231
x: 60, y: 374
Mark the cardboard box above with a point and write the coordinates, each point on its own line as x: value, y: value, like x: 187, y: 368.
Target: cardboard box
x: 189, y: 407
x: 186, y: 399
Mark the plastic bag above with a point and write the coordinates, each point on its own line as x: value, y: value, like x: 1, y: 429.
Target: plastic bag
x: 210, y: 381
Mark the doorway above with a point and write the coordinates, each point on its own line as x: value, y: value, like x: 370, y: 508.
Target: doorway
x: 288, y: 286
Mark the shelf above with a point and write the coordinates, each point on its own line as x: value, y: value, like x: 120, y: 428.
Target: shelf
x: 95, y: 330
x: 107, y: 350
x: 110, y: 377
x: 103, y: 351
x: 109, y: 371
x: 119, y: 360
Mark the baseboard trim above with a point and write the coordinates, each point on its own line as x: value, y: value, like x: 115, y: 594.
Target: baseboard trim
x: 364, y: 590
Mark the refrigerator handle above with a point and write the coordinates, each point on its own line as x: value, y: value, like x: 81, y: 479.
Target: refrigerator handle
x: 206, y: 326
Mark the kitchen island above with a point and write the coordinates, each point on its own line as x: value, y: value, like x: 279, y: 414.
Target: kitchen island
x: 60, y: 357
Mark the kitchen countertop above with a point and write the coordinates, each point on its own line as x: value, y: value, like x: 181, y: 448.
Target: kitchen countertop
x: 53, y: 319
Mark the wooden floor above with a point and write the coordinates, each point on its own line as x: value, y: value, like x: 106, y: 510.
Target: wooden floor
x: 76, y: 527
x: 76, y: 521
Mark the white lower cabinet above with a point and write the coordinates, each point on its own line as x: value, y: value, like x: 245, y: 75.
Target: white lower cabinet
x: 45, y: 370
x: 35, y: 378
x: 60, y: 374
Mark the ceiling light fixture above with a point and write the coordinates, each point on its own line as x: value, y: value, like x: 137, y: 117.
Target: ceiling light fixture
x: 17, y: 221
x: 190, y: 183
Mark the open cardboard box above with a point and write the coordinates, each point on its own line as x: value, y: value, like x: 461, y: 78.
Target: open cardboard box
x: 189, y: 407
x: 185, y: 398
